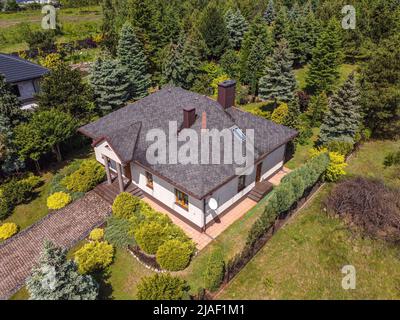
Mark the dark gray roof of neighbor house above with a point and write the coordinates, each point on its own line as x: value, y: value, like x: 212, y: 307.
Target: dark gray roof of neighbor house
x: 128, y: 138
x: 16, y: 69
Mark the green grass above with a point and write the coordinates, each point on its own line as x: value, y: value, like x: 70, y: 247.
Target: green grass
x: 301, y: 74
x: 302, y: 153
x: 77, y: 23
x: 304, y: 259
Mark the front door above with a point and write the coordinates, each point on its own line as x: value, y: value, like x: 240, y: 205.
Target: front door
x: 258, y: 172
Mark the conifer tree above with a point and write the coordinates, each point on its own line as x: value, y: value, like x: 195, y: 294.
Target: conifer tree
x: 279, y: 82
x: 108, y: 26
x: 236, y: 26
x: 110, y: 83
x: 10, y: 107
x: 9, y: 161
x: 57, y: 278
x: 230, y: 63
x: 256, y: 65
x: 342, y: 121
x: 292, y: 118
x: 132, y: 58
x: 212, y: 27
x: 295, y: 12
x: 269, y: 14
x: 172, y: 69
x: 327, y: 56
x: 318, y: 108
x: 281, y: 27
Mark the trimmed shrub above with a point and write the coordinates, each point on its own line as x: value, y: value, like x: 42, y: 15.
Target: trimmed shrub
x: 58, y: 200
x: 174, y: 255
x: 7, y: 230
x: 32, y: 181
x: 89, y: 175
x: 261, y: 225
x: 280, y: 113
x: 150, y: 235
x: 56, y: 182
x: 126, y: 205
x: 336, y: 165
x: 5, y: 206
x: 285, y: 196
x: 96, y: 234
x: 342, y: 147
x: 162, y: 287
x: 94, y: 256
x: 214, y: 272
x: 119, y: 232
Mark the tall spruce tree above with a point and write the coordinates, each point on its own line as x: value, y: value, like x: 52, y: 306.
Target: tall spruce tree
x: 342, y: 121
x: 10, y: 107
x: 269, y: 14
x: 318, y: 108
x: 236, y: 26
x: 110, y: 83
x: 255, y: 65
x: 327, y: 56
x: 380, y: 88
x: 258, y: 31
x: 9, y: 161
x: 281, y: 27
x: 132, y: 58
x: 110, y: 36
x: 212, y: 27
x: 56, y: 278
x: 279, y: 82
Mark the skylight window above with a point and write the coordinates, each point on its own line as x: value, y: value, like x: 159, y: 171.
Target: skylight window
x: 239, y: 133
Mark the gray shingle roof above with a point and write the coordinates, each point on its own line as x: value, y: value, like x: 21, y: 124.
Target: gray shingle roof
x: 128, y: 138
x: 16, y: 69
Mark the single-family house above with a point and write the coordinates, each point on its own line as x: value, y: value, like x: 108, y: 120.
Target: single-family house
x: 197, y: 192
x: 23, y: 76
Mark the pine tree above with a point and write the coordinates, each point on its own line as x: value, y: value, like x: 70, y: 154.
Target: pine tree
x: 380, y: 78
x: 9, y: 161
x: 212, y: 27
x: 327, y: 56
x: 9, y: 105
x: 318, y: 108
x: 132, y: 58
x: 269, y: 14
x: 172, y: 71
x: 63, y: 89
x: 342, y: 121
x: 256, y: 65
x: 110, y: 83
x: 57, y: 278
x: 279, y: 82
x: 295, y: 12
x: 230, y: 63
x: 236, y: 26
x: 281, y: 27
x: 108, y: 26
x: 258, y: 32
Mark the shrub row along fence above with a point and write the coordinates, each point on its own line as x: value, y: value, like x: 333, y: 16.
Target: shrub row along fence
x: 295, y: 189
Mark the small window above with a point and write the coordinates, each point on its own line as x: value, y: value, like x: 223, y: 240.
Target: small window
x: 182, y: 199
x: 149, y: 178
x: 241, y: 183
x: 15, y: 90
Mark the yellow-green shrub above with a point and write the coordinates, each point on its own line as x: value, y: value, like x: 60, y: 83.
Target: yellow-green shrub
x: 336, y: 165
x: 174, y: 255
x: 7, y: 230
x: 94, y: 256
x: 125, y: 205
x: 96, y: 234
x: 280, y: 113
x: 58, y: 200
x: 150, y: 235
x: 89, y: 174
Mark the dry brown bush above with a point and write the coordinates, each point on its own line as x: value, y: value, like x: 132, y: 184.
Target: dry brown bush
x: 368, y: 204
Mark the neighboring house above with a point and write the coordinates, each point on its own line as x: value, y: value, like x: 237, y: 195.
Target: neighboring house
x: 119, y: 140
x: 23, y: 76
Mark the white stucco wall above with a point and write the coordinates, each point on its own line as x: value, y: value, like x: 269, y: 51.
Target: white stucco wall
x: 165, y: 192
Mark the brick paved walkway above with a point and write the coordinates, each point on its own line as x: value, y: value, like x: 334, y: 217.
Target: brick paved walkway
x: 64, y: 227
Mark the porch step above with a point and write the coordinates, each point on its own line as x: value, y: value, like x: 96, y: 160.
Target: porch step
x: 110, y: 191
x: 260, y: 190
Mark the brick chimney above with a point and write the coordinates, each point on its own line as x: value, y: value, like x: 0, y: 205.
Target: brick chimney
x: 226, y: 93
x: 189, y: 117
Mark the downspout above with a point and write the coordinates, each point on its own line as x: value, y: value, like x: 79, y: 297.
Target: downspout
x: 204, y: 216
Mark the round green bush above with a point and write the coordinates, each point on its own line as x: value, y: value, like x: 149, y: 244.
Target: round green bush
x: 7, y: 230
x: 96, y: 234
x: 174, y: 255
x: 94, y: 256
x: 150, y: 235
x: 58, y: 200
x: 126, y: 205
x: 162, y: 287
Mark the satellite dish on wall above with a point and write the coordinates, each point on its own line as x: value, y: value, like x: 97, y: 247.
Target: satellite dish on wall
x: 213, y: 204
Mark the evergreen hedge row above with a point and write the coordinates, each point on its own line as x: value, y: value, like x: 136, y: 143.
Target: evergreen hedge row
x: 285, y: 195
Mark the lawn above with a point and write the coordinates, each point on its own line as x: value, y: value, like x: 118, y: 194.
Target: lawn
x: 345, y: 70
x: 77, y: 23
x: 304, y: 259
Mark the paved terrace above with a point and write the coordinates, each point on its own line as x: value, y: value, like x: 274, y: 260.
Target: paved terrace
x: 64, y: 227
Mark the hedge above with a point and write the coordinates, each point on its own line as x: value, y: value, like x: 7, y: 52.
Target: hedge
x: 285, y: 195
x: 174, y: 255
x: 214, y: 272
x: 162, y: 287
